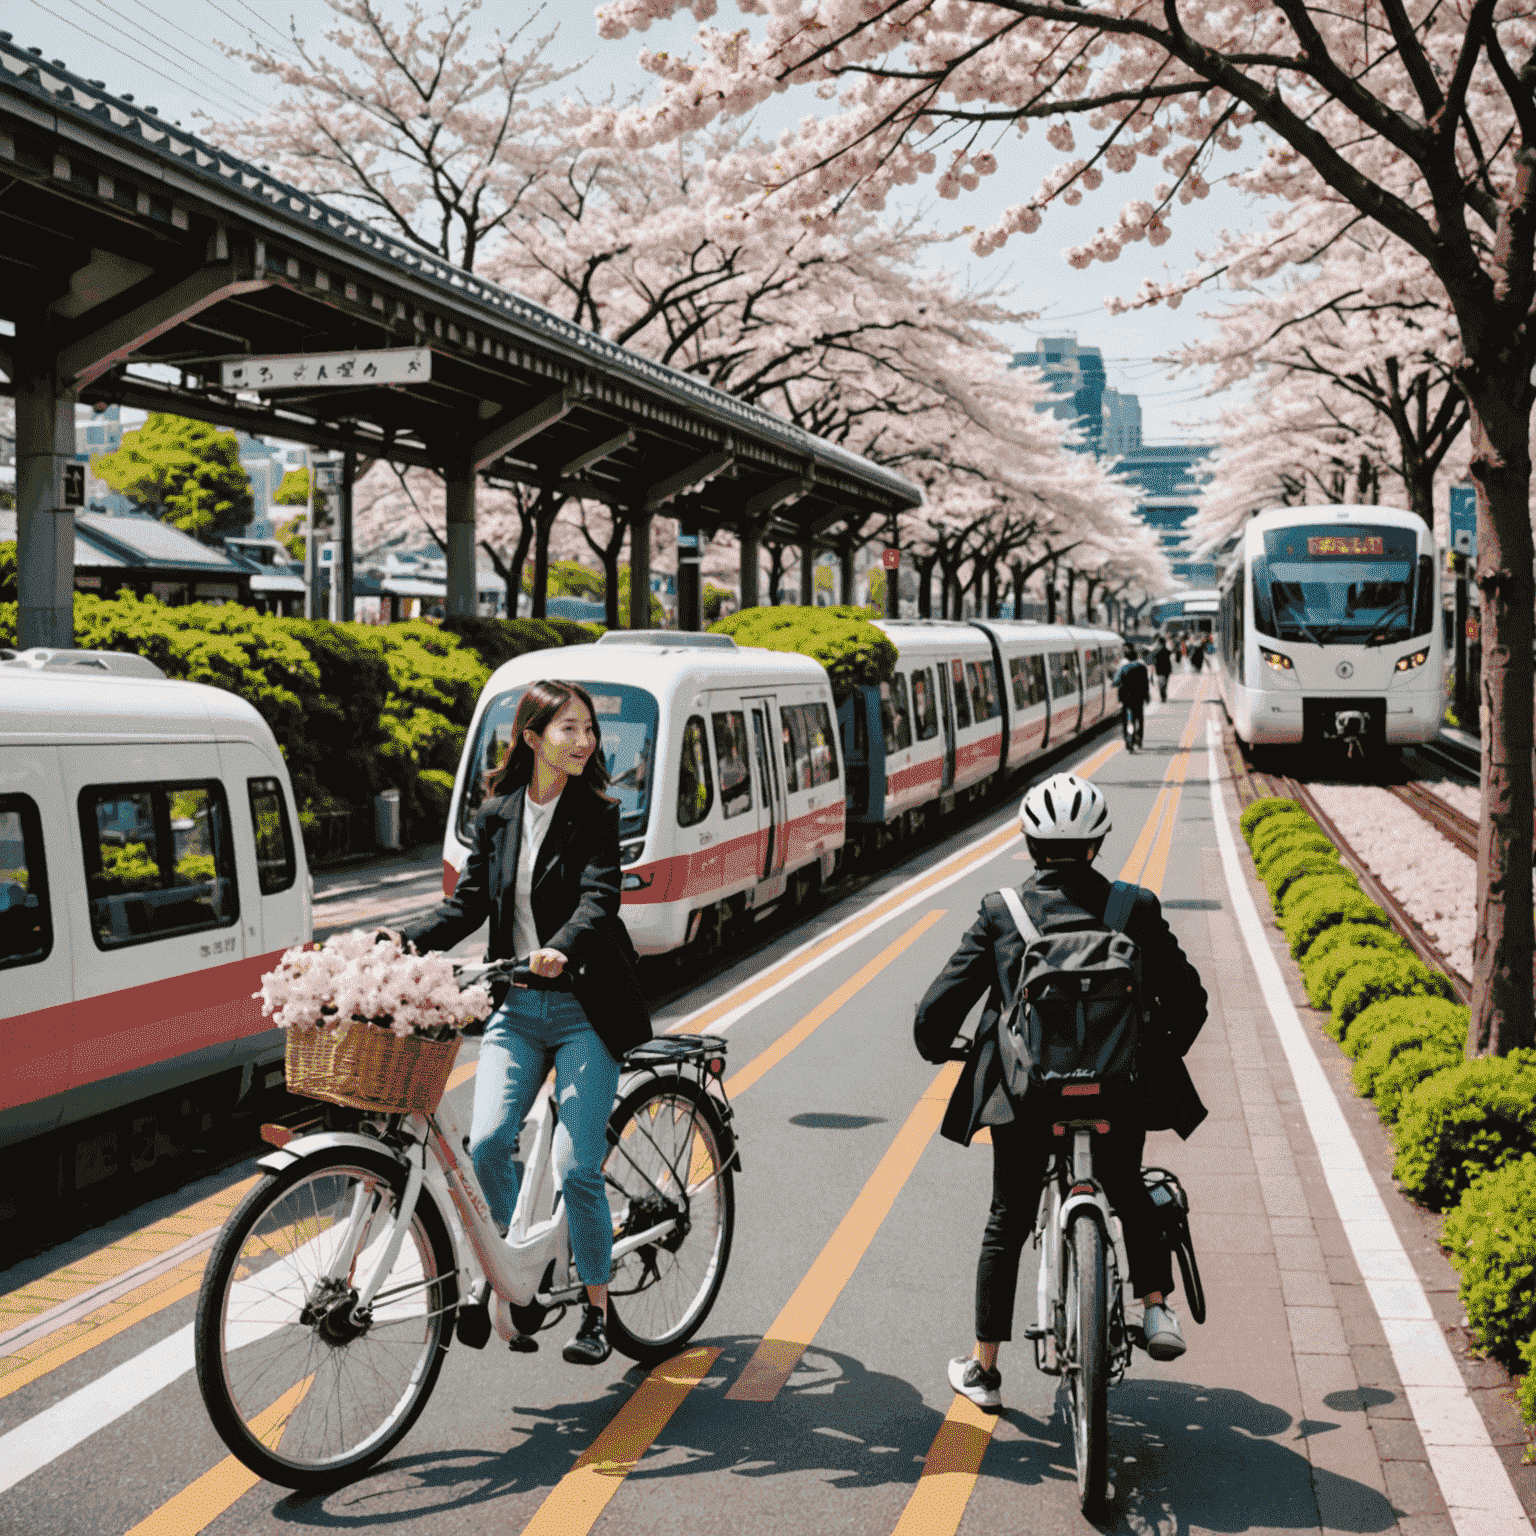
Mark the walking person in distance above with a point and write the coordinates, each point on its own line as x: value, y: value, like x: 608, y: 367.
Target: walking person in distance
x: 1162, y: 665
x: 1133, y: 687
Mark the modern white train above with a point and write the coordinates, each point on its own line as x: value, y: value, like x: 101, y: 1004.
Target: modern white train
x: 739, y: 781
x: 1186, y: 613
x: 1329, y: 628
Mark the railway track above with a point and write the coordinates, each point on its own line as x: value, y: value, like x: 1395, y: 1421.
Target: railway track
x: 1457, y: 829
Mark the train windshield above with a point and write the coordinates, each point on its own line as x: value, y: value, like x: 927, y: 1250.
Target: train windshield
x: 1332, y: 582
x: 626, y: 720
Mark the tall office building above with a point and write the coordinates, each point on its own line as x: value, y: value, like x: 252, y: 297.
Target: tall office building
x: 1076, y: 374
x: 1122, y: 424
x: 1170, y: 478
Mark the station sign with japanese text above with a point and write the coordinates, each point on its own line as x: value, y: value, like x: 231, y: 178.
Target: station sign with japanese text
x: 1464, y: 521
x: 347, y: 370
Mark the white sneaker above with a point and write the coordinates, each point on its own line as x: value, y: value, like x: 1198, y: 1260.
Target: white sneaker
x: 984, y: 1388
x: 1160, y: 1325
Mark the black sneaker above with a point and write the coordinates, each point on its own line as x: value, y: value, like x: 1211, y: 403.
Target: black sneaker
x: 590, y: 1345
x: 984, y: 1388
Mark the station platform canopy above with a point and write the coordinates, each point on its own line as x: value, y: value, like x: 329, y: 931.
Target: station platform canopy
x: 138, y: 260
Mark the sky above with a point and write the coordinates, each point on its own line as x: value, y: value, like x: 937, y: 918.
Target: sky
x: 177, y: 65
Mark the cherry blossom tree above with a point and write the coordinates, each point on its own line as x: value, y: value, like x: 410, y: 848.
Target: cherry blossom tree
x: 1419, y: 119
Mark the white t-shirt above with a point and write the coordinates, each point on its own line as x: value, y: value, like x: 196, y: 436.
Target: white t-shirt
x: 536, y: 820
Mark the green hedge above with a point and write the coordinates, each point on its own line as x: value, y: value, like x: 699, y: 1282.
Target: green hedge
x: 1283, y: 873
x: 1491, y: 1239
x: 1304, y: 887
x: 1381, y: 976
x: 1400, y: 1041
x: 1281, y: 832
x: 1470, y: 1119
x: 1340, y: 902
x: 1321, y: 968
x: 1263, y: 810
x: 855, y: 653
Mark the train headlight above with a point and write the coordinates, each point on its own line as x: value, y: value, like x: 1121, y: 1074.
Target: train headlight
x: 1408, y: 663
x: 629, y: 853
x: 1277, y: 661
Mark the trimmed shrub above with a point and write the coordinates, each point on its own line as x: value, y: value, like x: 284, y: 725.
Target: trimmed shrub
x: 1379, y: 1032
x: 1263, y: 810
x: 1528, y: 1385
x: 1298, y: 843
x: 1407, y: 1070
x: 855, y: 653
x: 1465, y: 1121
x: 1282, y: 873
x: 498, y: 641
x: 434, y: 789
x: 1278, y: 829
x: 1340, y: 902
x: 1378, y: 976
x: 1301, y: 889
x: 1320, y: 977
x: 1491, y: 1241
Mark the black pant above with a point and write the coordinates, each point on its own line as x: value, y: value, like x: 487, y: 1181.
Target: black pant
x: 1162, y: 686
x: 1019, y: 1154
x: 1137, y: 709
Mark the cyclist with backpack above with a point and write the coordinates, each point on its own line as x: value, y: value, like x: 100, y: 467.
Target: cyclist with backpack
x: 1109, y: 944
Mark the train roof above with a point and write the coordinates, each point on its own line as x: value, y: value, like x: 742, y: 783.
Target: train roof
x: 1028, y: 629
x: 62, y: 707
x: 664, y: 670
x: 1290, y: 517
x: 932, y: 635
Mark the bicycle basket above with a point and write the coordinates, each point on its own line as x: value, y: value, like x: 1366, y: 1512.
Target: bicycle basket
x: 366, y: 1067
x: 1173, y: 1207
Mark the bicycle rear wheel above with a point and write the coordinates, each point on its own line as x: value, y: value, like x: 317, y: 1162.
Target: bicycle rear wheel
x: 1085, y: 1290
x: 668, y: 1160
x: 304, y: 1389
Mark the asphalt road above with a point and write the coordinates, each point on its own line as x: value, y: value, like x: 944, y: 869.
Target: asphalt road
x: 1286, y: 1414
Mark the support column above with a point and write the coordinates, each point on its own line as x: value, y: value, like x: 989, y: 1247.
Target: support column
x: 845, y: 574
x: 807, y: 574
x: 341, y: 572
x: 545, y: 510
x: 893, y: 577
x: 690, y: 594
x: 45, y: 529
x: 462, y: 597
x: 640, y: 570
x: 747, y: 537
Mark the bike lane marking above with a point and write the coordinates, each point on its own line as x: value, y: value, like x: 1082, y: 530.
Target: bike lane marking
x: 573, y: 1505
x: 1478, y: 1493
x: 954, y: 1459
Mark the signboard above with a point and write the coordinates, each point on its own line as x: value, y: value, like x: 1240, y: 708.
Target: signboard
x: 688, y: 547
x: 891, y: 559
x: 1464, y: 521
x: 1340, y: 546
x: 74, y: 485
x: 1471, y: 631
x: 397, y: 365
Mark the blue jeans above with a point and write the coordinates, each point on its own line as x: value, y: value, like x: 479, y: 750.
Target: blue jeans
x: 522, y: 1035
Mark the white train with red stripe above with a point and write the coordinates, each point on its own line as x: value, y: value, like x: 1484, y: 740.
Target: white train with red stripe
x: 150, y: 870
x: 739, y: 782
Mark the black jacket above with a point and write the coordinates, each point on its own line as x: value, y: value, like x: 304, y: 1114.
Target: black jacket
x: 987, y: 961
x: 575, y: 902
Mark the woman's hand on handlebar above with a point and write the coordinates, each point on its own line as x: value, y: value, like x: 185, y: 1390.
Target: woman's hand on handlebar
x: 546, y: 962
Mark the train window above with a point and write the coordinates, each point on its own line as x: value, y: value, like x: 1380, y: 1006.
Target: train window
x: 275, y: 863
x: 158, y: 861
x: 819, y: 737
x: 26, y: 924
x: 1093, y: 667
x: 895, y: 722
x: 731, y: 751
x: 1028, y: 674
x: 962, y: 702
x: 1063, y: 673
x: 695, y: 783
x: 984, y: 703
x: 797, y: 754
x: 925, y: 713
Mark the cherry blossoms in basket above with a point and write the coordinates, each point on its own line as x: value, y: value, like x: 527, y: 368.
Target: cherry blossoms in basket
x: 351, y: 979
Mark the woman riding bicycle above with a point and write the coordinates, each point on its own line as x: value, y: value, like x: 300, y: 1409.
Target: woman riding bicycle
x: 544, y: 869
x: 1064, y: 821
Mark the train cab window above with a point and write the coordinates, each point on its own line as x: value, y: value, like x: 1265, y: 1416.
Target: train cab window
x: 895, y: 721
x: 159, y: 861
x: 1028, y: 673
x: 26, y: 924
x: 275, y: 863
x: 820, y: 739
x: 925, y: 709
x: 962, y: 699
x: 695, y: 783
x: 735, y: 772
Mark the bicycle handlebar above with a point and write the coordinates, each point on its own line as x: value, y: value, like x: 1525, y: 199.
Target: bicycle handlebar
x: 471, y: 972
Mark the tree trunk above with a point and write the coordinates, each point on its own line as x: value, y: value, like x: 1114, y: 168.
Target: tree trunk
x: 1071, y: 595
x: 1050, y: 602
x: 1502, y: 1012
x: 775, y: 572
x: 1017, y: 572
x: 925, y: 587
x: 609, y: 554
x: 545, y: 510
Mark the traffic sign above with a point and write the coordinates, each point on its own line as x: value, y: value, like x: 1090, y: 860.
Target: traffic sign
x: 891, y: 559
x: 1472, y: 631
x: 330, y: 370
x: 1463, y: 520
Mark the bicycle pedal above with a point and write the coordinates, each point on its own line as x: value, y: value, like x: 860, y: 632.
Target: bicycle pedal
x: 472, y: 1327
x: 1136, y: 1334
x: 1034, y: 1333
x: 523, y: 1344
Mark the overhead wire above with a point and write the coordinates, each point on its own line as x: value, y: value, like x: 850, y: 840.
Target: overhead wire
x: 210, y: 48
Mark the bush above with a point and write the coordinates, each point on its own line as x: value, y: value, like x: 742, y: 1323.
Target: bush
x: 1293, y: 842
x: 1491, y: 1238
x: 1262, y: 811
x: 1393, y: 1023
x: 855, y: 653
x: 1407, y: 1070
x: 1320, y: 978
x: 1306, y: 886
x: 498, y: 641
x: 1527, y: 1361
x: 434, y: 790
x: 1465, y: 1121
x: 1282, y: 873
x: 1382, y: 975
x: 1321, y: 974
x: 1340, y: 902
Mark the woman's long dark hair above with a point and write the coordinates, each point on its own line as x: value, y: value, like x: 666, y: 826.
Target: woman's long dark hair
x: 537, y: 707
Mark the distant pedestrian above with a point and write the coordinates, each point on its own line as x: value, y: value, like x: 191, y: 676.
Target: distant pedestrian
x: 1162, y: 665
x: 1132, y: 687
x: 1196, y: 653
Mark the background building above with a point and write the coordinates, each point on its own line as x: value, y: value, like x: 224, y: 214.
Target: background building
x: 1170, y: 478
x: 1076, y: 374
x: 1122, y: 424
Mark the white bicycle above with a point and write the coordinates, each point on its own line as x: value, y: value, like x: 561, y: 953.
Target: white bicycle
x: 338, y: 1283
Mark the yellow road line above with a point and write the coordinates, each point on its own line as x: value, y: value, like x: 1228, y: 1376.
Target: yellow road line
x: 579, y: 1498
x: 740, y: 1081
x: 803, y: 1314
x: 200, y: 1503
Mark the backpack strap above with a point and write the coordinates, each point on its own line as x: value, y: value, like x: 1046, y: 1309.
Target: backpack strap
x: 1021, y: 918
x: 1122, y: 902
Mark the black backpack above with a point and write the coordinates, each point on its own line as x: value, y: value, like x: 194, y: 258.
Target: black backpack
x: 1076, y: 1009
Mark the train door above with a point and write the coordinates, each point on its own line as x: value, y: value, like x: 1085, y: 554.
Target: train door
x: 268, y: 856
x: 773, y: 815
x: 947, y: 720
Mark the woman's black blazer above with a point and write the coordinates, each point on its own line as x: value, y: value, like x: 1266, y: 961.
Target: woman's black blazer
x: 575, y: 902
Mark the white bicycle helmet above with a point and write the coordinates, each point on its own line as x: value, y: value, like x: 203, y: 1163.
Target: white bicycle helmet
x: 1064, y: 818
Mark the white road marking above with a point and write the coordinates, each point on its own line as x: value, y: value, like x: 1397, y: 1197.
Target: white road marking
x: 1472, y: 1477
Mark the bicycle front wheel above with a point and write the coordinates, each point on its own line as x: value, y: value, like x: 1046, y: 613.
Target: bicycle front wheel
x: 668, y: 1160
x: 302, y: 1385
x: 1087, y: 1307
